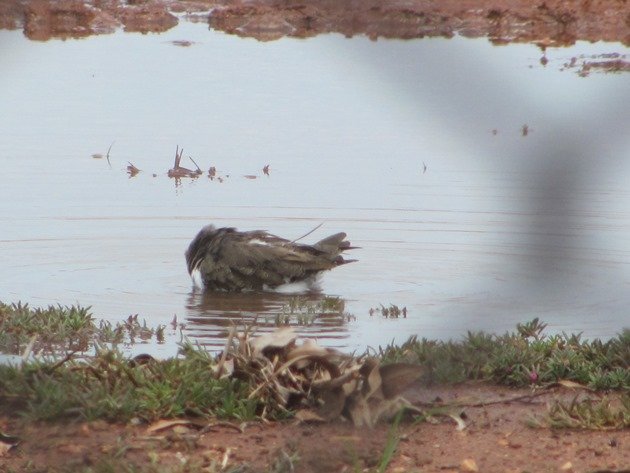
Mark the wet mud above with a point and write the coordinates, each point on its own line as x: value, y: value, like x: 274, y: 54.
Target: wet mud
x: 544, y: 22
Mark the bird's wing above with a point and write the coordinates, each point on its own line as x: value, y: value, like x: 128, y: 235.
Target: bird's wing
x: 270, y: 259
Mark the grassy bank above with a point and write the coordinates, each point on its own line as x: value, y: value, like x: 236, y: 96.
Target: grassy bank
x: 64, y: 382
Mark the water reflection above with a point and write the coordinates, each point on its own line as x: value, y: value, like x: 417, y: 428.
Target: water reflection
x: 209, y: 315
x: 549, y: 24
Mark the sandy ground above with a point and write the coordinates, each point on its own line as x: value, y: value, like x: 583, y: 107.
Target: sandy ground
x: 497, y: 439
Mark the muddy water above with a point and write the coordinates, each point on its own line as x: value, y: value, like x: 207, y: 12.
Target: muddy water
x: 417, y: 149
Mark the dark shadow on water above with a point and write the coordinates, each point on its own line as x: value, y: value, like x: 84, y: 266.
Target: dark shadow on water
x: 209, y: 315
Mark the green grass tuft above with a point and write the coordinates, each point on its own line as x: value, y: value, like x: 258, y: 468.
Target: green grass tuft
x: 522, y: 358
x: 109, y: 386
x: 58, y: 329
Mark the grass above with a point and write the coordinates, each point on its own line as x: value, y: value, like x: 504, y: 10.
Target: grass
x: 524, y: 357
x: 107, y: 385
x: 602, y: 414
x: 58, y: 329
x: 391, y: 445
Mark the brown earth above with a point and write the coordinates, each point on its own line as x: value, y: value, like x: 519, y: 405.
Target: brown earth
x: 544, y: 22
x: 496, y: 439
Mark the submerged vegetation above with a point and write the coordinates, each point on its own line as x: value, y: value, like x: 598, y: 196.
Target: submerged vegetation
x: 77, y: 368
x: 301, y: 311
x: 392, y: 311
x: 59, y: 329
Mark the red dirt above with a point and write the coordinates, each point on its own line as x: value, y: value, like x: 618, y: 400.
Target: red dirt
x: 544, y: 22
x: 497, y: 439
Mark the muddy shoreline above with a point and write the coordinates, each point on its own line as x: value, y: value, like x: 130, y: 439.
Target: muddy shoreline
x: 497, y: 439
x: 544, y: 22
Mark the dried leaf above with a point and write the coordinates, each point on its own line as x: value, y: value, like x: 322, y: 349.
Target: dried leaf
x: 469, y: 465
x: 350, y: 386
x: 310, y: 348
x: 323, y: 382
x: 372, y: 379
x: 308, y: 415
x: 333, y: 404
x: 170, y: 423
x: 226, y: 369
x: 397, y: 377
x: 386, y: 409
x: 4, y: 448
x: 306, y: 360
x: 572, y: 385
x: 346, y: 380
x: 359, y: 411
x: 461, y: 425
x: 283, y: 393
x: 281, y: 338
x: 226, y: 457
x: 7, y: 442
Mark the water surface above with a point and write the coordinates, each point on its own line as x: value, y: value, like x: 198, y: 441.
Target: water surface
x: 499, y: 228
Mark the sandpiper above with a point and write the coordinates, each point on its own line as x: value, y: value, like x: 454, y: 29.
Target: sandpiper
x: 226, y: 259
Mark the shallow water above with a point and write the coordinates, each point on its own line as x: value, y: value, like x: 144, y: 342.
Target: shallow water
x: 498, y: 229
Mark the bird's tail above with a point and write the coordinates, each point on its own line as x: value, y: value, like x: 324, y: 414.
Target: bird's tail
x: 333, y: 246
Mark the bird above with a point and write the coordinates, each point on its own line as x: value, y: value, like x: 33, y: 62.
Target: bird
x: 225, y: 259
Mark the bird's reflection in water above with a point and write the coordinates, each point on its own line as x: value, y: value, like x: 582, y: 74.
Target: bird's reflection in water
x: 312, y: 314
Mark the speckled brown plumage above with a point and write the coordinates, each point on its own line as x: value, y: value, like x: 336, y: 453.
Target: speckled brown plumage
x: 230, y: 260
